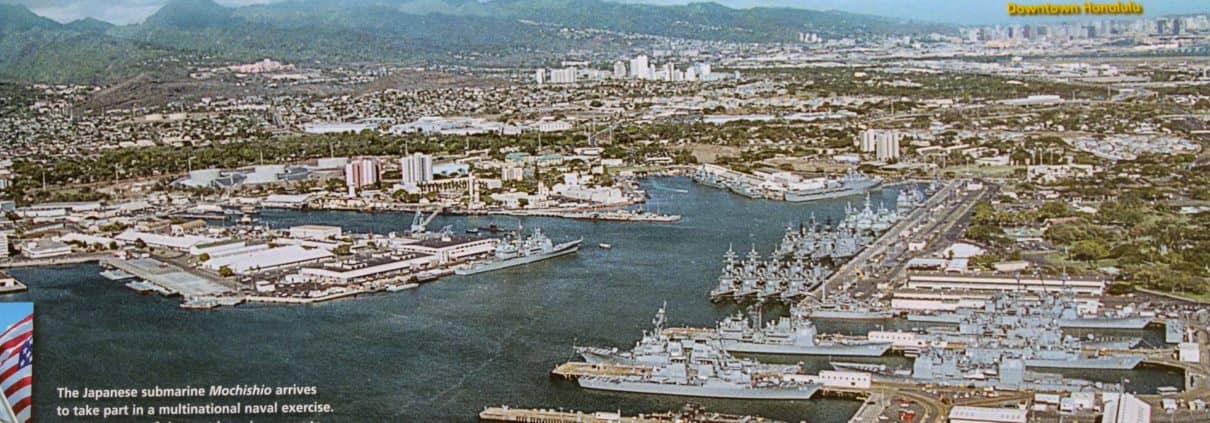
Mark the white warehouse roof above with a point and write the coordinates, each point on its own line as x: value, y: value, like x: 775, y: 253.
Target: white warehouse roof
x: 166, y: 241
x: 253, y: 261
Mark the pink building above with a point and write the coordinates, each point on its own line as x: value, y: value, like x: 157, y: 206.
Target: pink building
x: 360, y: 173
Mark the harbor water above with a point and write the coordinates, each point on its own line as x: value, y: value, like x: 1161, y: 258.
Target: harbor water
x: 447, y: 349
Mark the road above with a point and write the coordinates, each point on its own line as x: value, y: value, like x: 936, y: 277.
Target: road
x: 860, y: 265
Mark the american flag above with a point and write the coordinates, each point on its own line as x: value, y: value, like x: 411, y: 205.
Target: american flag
x: 17, y: 367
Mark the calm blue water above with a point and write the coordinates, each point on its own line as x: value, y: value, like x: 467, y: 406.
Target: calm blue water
x: 441, y: 352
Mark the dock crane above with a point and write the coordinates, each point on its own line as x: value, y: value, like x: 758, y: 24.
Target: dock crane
x: 420, y: 222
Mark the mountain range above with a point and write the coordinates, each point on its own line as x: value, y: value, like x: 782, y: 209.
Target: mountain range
x: 34, y: 48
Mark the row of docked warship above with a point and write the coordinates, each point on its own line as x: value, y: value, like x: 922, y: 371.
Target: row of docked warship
x: 689, y: 366
x: 797, y: 265
x: 822, y: 188
x: 993, y: 347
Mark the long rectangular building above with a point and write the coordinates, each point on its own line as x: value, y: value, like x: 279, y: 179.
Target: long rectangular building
x: 1008, y: 283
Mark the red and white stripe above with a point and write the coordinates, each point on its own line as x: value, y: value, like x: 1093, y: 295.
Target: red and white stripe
x: 17, y: 383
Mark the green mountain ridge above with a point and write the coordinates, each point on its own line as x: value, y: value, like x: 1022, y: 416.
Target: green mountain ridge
x: 34, y: 48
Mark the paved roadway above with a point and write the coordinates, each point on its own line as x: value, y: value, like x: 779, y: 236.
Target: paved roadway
x: 850, y: 270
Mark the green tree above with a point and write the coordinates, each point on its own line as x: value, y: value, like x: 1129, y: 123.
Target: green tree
x: 1088, y: 250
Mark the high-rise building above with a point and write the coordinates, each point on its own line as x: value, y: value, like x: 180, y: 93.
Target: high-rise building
x: 619, y: 70
x: 888, y: 147
x: 883, y: 143
x: 416, y: 169
x: 667, y: 73
x: 540, y: 76
x: 563, y: 76
x: 639, y: 68
x: 3, y: 244
x: 360, y: 173
x: 512, y: 174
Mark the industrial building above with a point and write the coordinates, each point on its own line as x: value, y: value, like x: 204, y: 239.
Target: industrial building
x: 44, y: 248
x: 257, y: 259
x: 1125, y: 408
x: 1007, y: 283
x: 353, y: 269
x: 962, y: 414
x: 315, y: 232
x: 172, y: 242
x: 451, y: 247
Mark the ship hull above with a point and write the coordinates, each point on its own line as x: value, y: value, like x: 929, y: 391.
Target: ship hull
x: 560, y: 250
x: 801, y: 197
x: 839, y: 350
x: 1124, y: 323
x: 936, y: 318
x: 1103, y: 363
x: 849, y: 315
x: 699, y: 391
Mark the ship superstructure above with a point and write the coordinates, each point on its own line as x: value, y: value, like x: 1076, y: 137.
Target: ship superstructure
x: 519, y: 250
x: 788, y: 336
x: 785, y: 186
x: 696, y: 367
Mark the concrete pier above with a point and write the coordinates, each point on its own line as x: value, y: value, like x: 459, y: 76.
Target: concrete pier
x: 168, y: 276
x: 872, y: 408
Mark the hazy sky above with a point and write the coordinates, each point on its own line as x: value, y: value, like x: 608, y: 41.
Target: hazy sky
x: 951, y: 11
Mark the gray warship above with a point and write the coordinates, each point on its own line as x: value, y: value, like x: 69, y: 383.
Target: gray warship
x: 1060, y: 306
x: 851, y: 183
x: 692, y: 367
x: 1011, y: 327
x: 841, y: 306
x: 521, y: 250
x: 788, y: 336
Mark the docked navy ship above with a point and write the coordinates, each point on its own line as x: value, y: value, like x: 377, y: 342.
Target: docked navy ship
x: 840, y: 306
x: 788, y: 336
x: 691, y: 367
x: 783, y: 279
x: 1060, y: 306
x: 955, y: 368
x: 520, y: 250
x: 1009, y: 327
x: 851, y: 183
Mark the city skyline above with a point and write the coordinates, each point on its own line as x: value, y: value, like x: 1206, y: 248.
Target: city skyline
x: 123, y: 12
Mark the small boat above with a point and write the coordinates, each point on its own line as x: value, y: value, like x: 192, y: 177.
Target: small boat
x: 605, y: 246
x: 403, y: 287
x: 472, y: 231
x: 493, y: 229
